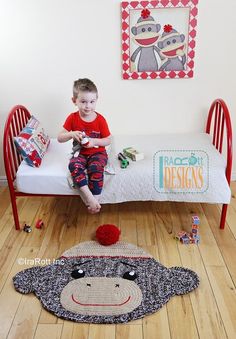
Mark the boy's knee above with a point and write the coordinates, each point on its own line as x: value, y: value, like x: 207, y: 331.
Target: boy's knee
x: 92, y: 170
x: 75, y: 166
x: 96, y: 167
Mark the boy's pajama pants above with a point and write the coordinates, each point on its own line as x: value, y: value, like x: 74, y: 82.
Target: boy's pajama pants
x: 94, y: 164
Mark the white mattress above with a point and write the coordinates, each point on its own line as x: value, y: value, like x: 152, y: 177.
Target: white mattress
x: 136, y: 182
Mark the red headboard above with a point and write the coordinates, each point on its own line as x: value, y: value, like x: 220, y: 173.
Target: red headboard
x: 16, y: 121
x: 221, y: 115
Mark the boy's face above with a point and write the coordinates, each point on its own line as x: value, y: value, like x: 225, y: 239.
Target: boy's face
x: 86, y: 102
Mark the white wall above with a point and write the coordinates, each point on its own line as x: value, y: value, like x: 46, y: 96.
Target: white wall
x: 47, y: 44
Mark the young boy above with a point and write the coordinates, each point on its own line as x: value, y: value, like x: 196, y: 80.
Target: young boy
x: 92, y: 156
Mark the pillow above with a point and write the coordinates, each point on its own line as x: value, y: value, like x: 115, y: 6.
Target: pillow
x: 110, y: 149
x: 32, y: 142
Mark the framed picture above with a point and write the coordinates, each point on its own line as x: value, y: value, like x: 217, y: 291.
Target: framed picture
x: 158, y: 38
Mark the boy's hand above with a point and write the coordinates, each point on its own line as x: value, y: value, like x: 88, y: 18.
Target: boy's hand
x: 77, y: 135
x: 91, y: 143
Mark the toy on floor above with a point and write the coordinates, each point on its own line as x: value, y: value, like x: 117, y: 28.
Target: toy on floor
x: 39, y: 224
x: 133, y: 154
x: 27, y: 228
x: 123, y: 160
x: 192, y: 237
x: 106, y: 284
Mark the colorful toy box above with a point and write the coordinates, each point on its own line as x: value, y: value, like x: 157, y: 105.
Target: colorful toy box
x: 133, y: 154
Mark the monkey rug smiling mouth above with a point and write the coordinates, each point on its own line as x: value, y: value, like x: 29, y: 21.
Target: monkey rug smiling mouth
x: 105, y: 282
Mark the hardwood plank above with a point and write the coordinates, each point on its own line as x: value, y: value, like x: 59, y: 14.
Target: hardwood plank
x: 52, y: 331
x: 89, y: 228
x: 29, y: 211
x: 109, y: 214
x: 205, y: 310
x: 231, y: 216
x: 156, y: 325
x: 129, y: 331
x: 52, y: 252
x: 128, y: 230
x: 7, y: 222
x: 70, y: 228
x: 224, y: 238
x: 5, y: 200
x: 199, y: 258
x: 233, y: 195
x: 74, y: 331
x: 128, y: 210
x: 26, y: 318
x: 145, y: 225
x: 45, y: 212
x: 231, y: 212
x: 102, y: 331
x: 10, y: 299
x: 180, y: 313
x: 224, y: 291
x: 209, y: 250
x: 15, y: 240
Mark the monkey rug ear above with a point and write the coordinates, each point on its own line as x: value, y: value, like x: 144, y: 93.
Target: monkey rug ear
x: 24, y: 280
x: 183, y: 280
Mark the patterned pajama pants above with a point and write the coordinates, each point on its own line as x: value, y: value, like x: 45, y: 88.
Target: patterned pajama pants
x: 94, y: 164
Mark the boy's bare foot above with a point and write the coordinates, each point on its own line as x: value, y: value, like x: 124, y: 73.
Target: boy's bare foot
x: 90, y: 201
x: 93, y: 206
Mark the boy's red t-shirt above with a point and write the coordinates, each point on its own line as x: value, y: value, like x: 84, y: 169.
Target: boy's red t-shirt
x: 98, y: 128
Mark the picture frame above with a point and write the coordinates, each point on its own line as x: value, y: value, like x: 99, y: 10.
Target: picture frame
x: 158, y: 39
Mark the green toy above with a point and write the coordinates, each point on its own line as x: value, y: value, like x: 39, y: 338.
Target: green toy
x: 123, y: 160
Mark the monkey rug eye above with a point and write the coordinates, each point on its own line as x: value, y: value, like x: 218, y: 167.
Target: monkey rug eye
x: 113, y: 282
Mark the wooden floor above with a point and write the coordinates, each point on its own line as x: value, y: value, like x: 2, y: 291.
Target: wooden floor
x: 208, y: 312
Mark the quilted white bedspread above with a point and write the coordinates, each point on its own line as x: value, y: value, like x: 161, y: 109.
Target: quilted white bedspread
x: 136, y: 182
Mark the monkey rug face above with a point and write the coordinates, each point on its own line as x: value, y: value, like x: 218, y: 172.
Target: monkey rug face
x: 93, y: 283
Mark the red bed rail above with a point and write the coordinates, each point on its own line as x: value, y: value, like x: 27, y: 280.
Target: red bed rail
x: 220, y: 112
x: 17, y: 119
x: 19, y: 116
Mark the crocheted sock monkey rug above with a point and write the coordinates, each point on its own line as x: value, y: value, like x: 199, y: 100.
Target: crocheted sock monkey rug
x: 100, y: 283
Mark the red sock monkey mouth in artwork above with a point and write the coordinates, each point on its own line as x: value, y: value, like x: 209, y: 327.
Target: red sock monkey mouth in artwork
x: 173, y: 52
x: 147, y: 41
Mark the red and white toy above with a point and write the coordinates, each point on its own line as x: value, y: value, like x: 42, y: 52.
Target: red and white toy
x: 39, y: 224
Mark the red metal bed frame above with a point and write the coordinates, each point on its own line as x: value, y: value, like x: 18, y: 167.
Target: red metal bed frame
x: 19, y: 116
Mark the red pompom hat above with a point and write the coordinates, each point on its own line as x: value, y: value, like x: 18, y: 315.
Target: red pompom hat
x: 145, y: 18
x: 169, y: 31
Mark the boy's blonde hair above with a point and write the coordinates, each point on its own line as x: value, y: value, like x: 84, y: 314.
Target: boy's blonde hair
x: 83, y: 85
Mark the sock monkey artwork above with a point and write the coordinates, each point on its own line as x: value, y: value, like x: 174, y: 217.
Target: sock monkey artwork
x: 146, y: 34
x: 170, y: 45
x: 172, y: 48
x: 94, y: 283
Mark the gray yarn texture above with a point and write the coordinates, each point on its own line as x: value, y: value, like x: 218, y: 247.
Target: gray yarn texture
x: 148, y: 284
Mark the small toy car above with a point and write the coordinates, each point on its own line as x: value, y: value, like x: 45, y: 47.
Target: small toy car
x: 27, y: 228
x: 123, y: 160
